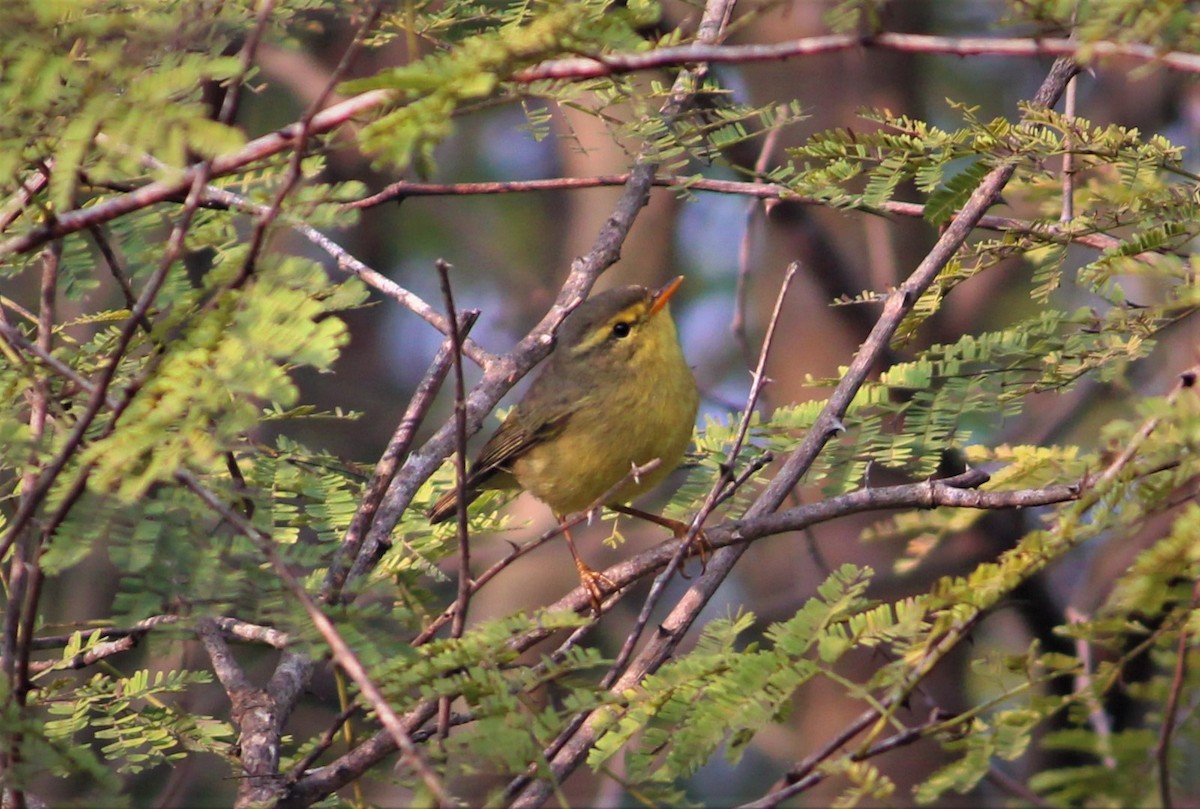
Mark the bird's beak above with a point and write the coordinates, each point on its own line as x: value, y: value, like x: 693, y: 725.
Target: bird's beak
x: 663, y: 295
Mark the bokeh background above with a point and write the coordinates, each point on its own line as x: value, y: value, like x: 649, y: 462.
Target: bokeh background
x: 511, y: 252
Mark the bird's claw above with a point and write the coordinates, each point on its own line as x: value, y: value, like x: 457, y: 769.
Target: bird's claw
x: 595, y: 584
x: 701, y: 543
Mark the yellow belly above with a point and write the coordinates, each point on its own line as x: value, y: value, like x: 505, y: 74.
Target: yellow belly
x: 604, y: 438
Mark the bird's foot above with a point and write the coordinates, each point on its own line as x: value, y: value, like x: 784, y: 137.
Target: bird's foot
x: 699, y: 542
x: 595, y: 583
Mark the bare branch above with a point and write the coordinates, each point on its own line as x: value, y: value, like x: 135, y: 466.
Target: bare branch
x: 755, y: 213
x: 614, y: 64
x: 462, y: 598
x: 224, y: 666
x: 1097, y: 716
x: 1061, y: 232
x: 347, y: 262
x: 292, y: 176
x: 164, y: 190
x: 936, y: 721
x: 31, y: 186
x: 338, y: 114
x: 324, y: 743
x: 101, y: 651
x: 714, y: 496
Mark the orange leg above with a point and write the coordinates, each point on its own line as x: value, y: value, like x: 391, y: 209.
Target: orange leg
x: 592, y: 581
x: 679, y: 529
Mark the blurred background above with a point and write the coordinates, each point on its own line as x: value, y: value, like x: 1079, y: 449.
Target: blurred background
x: 512, y: 251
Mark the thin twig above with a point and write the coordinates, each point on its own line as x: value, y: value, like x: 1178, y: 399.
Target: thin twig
x: 47, y: 319
x: 1162, y: 749
x: 1068, y: 160
x: 300, y: 144
x: 217, y: 197
x: 104, y: 633
x: 229, y: 104
x: 498, y: 567
x: 389, y: 462
x: 1059, y: 232
x: 324, y: 743
x: 31, y: 186
x: 755, y: 213
x: 101, y: 651
x: 114, y: 269
x: 1097, y: 715
x: 463, y: 597
x: 901, y: 739
x: 615, y: 64
x: 1186, y: 381
x: 758, y: 379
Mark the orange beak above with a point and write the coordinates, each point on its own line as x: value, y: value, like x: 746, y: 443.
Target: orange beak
x: 663, y: 295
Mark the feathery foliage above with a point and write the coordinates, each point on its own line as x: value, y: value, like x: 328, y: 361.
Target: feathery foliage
x: 153, y: 397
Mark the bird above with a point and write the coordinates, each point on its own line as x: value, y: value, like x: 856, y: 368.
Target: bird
x: 616, y: 392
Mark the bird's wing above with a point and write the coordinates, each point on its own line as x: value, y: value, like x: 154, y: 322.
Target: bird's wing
x: 514, y: 437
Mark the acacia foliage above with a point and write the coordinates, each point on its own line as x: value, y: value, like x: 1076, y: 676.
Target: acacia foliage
x: 116, y: 423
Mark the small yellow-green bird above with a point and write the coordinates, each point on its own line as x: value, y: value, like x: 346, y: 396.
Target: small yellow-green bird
x: 615, y: 392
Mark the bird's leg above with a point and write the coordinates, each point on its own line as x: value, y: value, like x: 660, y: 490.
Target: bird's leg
x: 591, y: 580
x: 679, y: 529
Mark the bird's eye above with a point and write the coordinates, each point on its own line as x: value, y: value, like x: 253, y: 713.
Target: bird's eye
x: 620, y: 329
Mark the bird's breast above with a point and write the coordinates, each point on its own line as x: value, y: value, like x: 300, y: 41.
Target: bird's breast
x: 634, y: 422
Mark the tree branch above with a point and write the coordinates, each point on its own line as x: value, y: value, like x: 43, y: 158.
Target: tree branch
x: 1055, y: 231
x: 1083, y: 52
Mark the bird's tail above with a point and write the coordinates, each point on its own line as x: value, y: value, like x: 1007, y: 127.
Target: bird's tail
x: 447, y: 505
